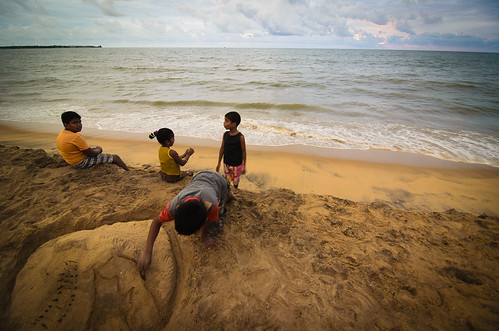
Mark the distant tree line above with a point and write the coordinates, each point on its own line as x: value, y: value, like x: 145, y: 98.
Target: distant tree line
x: 52, y: 46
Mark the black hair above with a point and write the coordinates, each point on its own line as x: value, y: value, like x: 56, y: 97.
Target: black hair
x: 234, y: 117
x: 162, y: 135
x: 66, y: 117
x: 190, y: 216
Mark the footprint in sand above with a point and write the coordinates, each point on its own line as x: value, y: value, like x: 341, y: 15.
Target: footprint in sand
x: 59, y: 307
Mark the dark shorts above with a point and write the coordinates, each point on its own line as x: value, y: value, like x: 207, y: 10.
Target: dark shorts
x: 90, y: 161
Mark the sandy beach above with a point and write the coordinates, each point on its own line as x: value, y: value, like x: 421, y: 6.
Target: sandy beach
x: 317, y: 240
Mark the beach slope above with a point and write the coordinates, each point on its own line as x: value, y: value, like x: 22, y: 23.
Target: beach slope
x: 70, y: 240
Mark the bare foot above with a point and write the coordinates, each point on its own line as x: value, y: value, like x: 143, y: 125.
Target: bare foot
x: 232, y: 196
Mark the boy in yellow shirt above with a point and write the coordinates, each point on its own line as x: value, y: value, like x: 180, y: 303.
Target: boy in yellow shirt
x: 75, y: 150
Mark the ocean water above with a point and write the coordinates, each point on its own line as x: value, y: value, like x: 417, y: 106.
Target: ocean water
x: 440, y: 104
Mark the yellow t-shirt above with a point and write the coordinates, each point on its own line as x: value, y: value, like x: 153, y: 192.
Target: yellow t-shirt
x: 168, y: 164
x: 70, y: 145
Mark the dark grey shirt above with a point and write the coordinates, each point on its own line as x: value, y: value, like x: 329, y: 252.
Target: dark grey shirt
x: 207, y: 186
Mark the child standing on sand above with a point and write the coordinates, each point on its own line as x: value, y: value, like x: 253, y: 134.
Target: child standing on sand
x: 75, y: 150
x: 169, y: 159
x: 233, y: 149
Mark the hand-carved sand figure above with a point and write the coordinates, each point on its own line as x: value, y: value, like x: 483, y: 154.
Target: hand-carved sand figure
x: 88, y: 280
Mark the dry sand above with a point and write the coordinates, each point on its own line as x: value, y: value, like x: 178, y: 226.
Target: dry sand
x: 312, y: 243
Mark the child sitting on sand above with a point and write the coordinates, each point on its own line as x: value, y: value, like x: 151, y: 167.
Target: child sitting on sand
x: 75, y: 150
x: 169, y: 159
x: 233, y: 149
x: 197, y: 206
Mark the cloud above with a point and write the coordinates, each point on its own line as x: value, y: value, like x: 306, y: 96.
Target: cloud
x: 404, y: 26
x: 429, y: 19
x: 447, y: 41
x: 277, y: 23
x: 279, y: 18
x: 16, y: 7
x: 106, y: 7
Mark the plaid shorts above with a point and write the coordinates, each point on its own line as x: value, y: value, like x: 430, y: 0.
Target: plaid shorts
x: 90, y: 161
x: 233, y: 174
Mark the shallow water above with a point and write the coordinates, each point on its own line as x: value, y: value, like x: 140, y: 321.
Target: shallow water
x: 441, y: 104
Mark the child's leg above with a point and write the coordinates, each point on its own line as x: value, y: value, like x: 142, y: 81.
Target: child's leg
x: 117, y: 160
x: 91, y: 161
x: 187, y: 173
x: 170, y: 178
x: 227, y: 172
x: 231, y: 195
x: 238, y: 171
x: 233, y: 174
x: 175, y: 178
x: 230, y: 174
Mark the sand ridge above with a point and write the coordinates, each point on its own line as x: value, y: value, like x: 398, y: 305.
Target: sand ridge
x: 287, y: 260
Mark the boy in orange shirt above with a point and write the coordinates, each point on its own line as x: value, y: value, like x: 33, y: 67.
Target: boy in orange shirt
x: 75, y: 150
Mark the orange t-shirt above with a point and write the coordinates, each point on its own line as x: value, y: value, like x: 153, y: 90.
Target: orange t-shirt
x: 166, y: 216
x: 70, y: 145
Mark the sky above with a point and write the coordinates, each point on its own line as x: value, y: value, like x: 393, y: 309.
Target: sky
x: 449, y: 25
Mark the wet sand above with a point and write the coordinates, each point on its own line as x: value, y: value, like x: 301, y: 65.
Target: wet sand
x: 401, y: 180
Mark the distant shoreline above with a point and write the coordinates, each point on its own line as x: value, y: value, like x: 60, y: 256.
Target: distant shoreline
x: 52, y: 46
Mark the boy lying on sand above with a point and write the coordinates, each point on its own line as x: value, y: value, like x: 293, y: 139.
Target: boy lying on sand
x: 198, y: 205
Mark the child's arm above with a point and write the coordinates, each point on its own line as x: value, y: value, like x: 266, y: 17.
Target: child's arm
x: 189, y: 151
x: 243, y: 149
x: 92, y: 151
x: 145, y: 259
x: 208, y: 241
x: 221, y: 153
x: 181, y: 160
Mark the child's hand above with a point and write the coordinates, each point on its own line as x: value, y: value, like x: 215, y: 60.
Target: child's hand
x: 143, y: 264
x: 210, y: 242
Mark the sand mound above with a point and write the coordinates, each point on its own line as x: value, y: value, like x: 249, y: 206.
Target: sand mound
x: 305, y: 262
x: 88, y: 280
x: 287, y: 261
